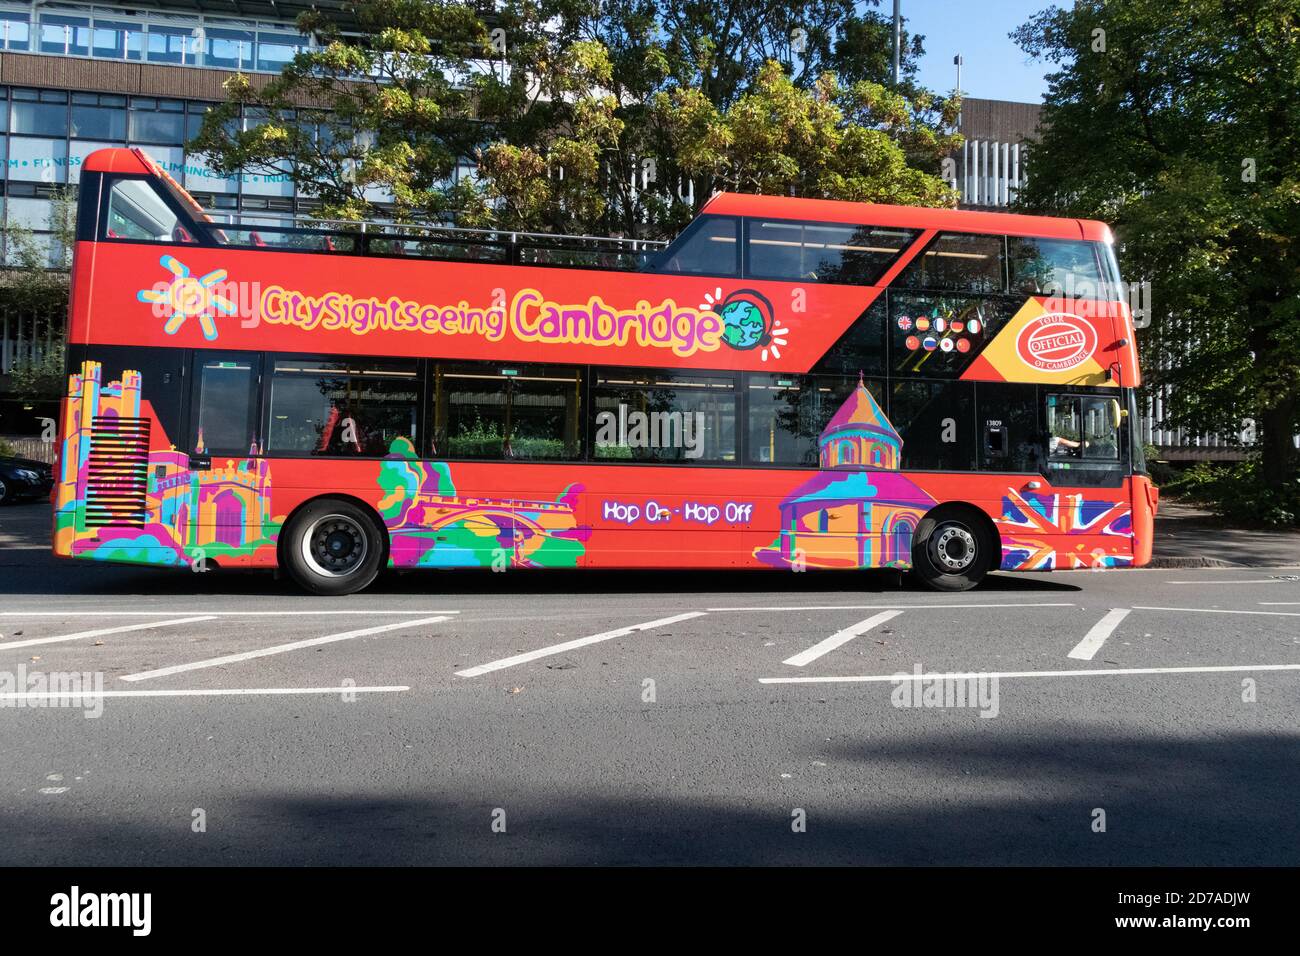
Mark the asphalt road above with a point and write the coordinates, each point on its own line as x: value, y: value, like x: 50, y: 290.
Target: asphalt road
x: 600, y: 718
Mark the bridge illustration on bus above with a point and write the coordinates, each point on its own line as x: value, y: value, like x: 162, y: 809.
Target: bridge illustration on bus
x: 944, y: 392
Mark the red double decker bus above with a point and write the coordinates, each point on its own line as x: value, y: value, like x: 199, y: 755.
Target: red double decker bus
x: 790, y: 384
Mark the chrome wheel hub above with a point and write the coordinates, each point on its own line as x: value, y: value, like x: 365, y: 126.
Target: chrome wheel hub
x: 335, y: 545
x: 953, y: 548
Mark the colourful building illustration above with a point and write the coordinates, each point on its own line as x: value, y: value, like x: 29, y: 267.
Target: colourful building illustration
x: 124, y: 495
x: 429, y: 525
x: 858, y: 512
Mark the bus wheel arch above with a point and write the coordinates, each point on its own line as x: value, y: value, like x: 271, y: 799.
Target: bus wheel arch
x: 333, y: 544
x: 955, y: 545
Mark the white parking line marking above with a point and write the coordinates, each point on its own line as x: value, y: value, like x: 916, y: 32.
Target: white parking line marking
x: 1278, y: 603
x: 1242, y: 581
x: 1117, y: 672
x: 281, y: 648
x: 1215, y: 610
x: 211, y: 692
x: 1087, y: 648
x: 879, y: 607
x: 101, y: 632
x: 164, y: 613
x: 572, y: 645
x: 839, y: 639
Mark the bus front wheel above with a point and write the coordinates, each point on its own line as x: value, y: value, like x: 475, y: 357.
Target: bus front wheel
x: 952, y: 551
x: 333, y: 547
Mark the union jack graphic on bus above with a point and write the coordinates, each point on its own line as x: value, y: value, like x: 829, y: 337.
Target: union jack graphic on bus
x: 1050, y: 532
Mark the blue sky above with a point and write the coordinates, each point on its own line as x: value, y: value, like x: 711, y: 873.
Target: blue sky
x: 994, y: 68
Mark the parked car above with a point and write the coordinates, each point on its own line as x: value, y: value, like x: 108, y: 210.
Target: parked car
x: 23, y: 478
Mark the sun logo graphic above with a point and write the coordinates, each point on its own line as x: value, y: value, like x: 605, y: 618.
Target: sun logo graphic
x: 186, y: 297
x: 748, y: 321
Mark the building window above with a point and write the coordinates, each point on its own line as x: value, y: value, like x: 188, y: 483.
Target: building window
x: 175, y: 45
x: 343, y: 408
x: 231, y: 49
x: 821, y: 251
x: 100, y: 117
x: 497, y: 411
x: 15, y: 30
x: 274, y: 50
x: 43, y: 113
x: 157, y: 121
x: 114, y: 40
x: 68, y: 36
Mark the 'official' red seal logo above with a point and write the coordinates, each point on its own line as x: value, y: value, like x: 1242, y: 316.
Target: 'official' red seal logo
x: 1056, y: 342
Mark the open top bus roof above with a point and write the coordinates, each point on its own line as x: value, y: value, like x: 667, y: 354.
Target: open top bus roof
x: 915, y: 217
x: 134, y: 161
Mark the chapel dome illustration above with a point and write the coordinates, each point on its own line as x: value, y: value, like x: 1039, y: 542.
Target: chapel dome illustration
x: 857, y: 511
x: 859, y: 435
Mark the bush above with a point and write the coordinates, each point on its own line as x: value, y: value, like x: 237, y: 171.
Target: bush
x: 7, y: 450
x: 1235, y: 492
x: 1161, y: 472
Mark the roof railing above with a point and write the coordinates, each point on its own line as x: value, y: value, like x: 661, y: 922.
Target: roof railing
x: 254, y: 219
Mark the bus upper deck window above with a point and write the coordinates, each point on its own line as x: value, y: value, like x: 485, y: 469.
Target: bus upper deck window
x: 136, y: 211
x: 710, y: 246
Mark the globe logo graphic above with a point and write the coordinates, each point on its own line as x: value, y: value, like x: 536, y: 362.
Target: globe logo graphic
x: 743, y: 324
x: 748, y: 321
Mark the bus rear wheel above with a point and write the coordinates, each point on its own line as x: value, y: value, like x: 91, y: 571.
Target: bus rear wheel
x: 333, y: 547
x: 952, y: 551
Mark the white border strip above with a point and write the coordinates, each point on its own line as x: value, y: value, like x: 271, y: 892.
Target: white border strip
x: 839, y: 639
x: 1117, y: 672
x: 1087, y: 648
x: 281, y: 649
x: 210, y: 692
x: 1215, y: 610
x: 880, y: 607
x: 165, y: 612
x: 573, y: 645
x: 101, y: 632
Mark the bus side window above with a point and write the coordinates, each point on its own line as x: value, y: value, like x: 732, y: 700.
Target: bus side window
x: 344, y: 408
x: 506, y: 411
x: 136, y: 211
x: 225, y: 403
x: 936, y: 421
x: 709, y: 246
x: 1056, y: 267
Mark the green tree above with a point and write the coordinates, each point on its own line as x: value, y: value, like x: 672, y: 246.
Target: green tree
x: 1182, y: 128
x: 583, y: 116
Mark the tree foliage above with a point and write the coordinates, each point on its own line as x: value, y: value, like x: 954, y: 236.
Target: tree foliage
x: 34, y: 286
x: 1182, y: 128
x: 581, y: 115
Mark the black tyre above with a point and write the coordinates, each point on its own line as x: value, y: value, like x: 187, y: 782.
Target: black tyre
x: 333, y: 547
x: 4, y: 493
x: 952, y: 551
